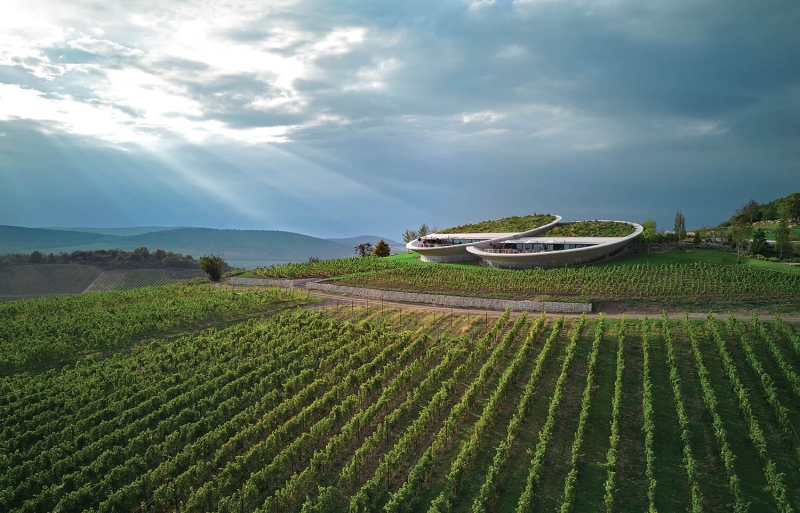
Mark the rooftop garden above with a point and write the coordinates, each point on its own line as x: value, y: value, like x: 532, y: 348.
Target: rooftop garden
x: 511, y: 224
x: 590, y: 229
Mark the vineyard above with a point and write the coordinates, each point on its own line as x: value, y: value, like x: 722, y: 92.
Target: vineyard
x: 327, y: 268
x: 675, y: 283
x: 40, y: 330
x: 137, y: 278
x: 697, y: 285
x: 47, y: 280
x: 354, y: 409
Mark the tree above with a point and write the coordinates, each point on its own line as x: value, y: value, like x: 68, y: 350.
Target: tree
x: 409, y: 235
x: 769, y: 211
x: 750, y: 211
x: 364, y: 249
x: 790, y: 206
x: 680, y: 227
x: 650, y: 233
x: 697, y: 239
x: 740, y: 232
x: 37, y: 257
x: 213, y: 265
x: 140, y: 254
x: 381, y: 249
x: 423, y: 230
x: 782, y: 231
x: 782, y: 234
x: 758, y: 242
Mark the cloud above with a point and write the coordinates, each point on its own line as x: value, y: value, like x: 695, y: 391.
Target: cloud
x: 411, y: 96
x: 148, y: 68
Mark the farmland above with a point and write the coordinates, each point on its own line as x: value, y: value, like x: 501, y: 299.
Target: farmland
x: 699, y: 280
x: 669, y: 284
x: 37, y: 331
x: 360, y: 409
x: 46, y: 280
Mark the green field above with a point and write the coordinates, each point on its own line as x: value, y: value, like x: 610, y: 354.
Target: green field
x: 352, y: 409
x: 770, y: 231
x: 706, y: 256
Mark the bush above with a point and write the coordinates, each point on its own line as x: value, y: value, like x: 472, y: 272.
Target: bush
x: 213, y: 265
x: 381, y: 249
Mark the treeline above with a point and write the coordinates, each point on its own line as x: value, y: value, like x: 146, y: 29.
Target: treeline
x: 107, y: 259
x: 753, y: 212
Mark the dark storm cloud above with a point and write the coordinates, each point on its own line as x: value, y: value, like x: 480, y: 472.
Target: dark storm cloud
x: 590, y: 110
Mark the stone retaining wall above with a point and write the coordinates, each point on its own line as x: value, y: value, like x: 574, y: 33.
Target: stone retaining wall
x: 455, y: 301
x: 263, y: 282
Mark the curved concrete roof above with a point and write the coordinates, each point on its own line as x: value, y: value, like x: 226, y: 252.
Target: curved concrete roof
x: 557, y: 258
x: 460, y: 251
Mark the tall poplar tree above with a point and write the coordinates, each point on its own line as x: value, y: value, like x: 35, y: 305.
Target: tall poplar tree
x: 782, y: 231
x: 680, y: 227
x: 740, y: 232
x: 650, y: 232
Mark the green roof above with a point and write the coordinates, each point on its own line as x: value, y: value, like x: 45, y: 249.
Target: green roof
x: 511, y: 224
x: 590, y: 229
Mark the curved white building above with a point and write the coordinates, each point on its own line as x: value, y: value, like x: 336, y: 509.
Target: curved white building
x: 522, y: 250
x: 454, y: 247
x: 553, y: 251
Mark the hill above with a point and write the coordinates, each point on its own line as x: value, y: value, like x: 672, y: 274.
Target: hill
x: 17, y: 239
x: 132, y: 230
x: 397, y: 247
x: 246, y: 248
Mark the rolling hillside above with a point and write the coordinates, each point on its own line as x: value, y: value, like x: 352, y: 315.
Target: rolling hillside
x: 48, y: 280
x: 238, y: 246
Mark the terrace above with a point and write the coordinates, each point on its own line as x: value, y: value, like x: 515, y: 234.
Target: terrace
x: 436, y: 240
x: 545, y: 244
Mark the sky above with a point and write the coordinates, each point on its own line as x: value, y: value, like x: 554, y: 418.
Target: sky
x: 342, y: 118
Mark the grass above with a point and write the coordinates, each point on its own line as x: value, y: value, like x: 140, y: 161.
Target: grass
x: 590, y: 229
x: 769, y: 229
x: 672, y: 492
x: 694, y: 255
x: 413, y: 258
x: 511, y: 224
x: 592, y: 470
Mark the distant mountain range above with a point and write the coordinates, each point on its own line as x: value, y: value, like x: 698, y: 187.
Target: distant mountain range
x: 246, y: 248
x: 397, y: 247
